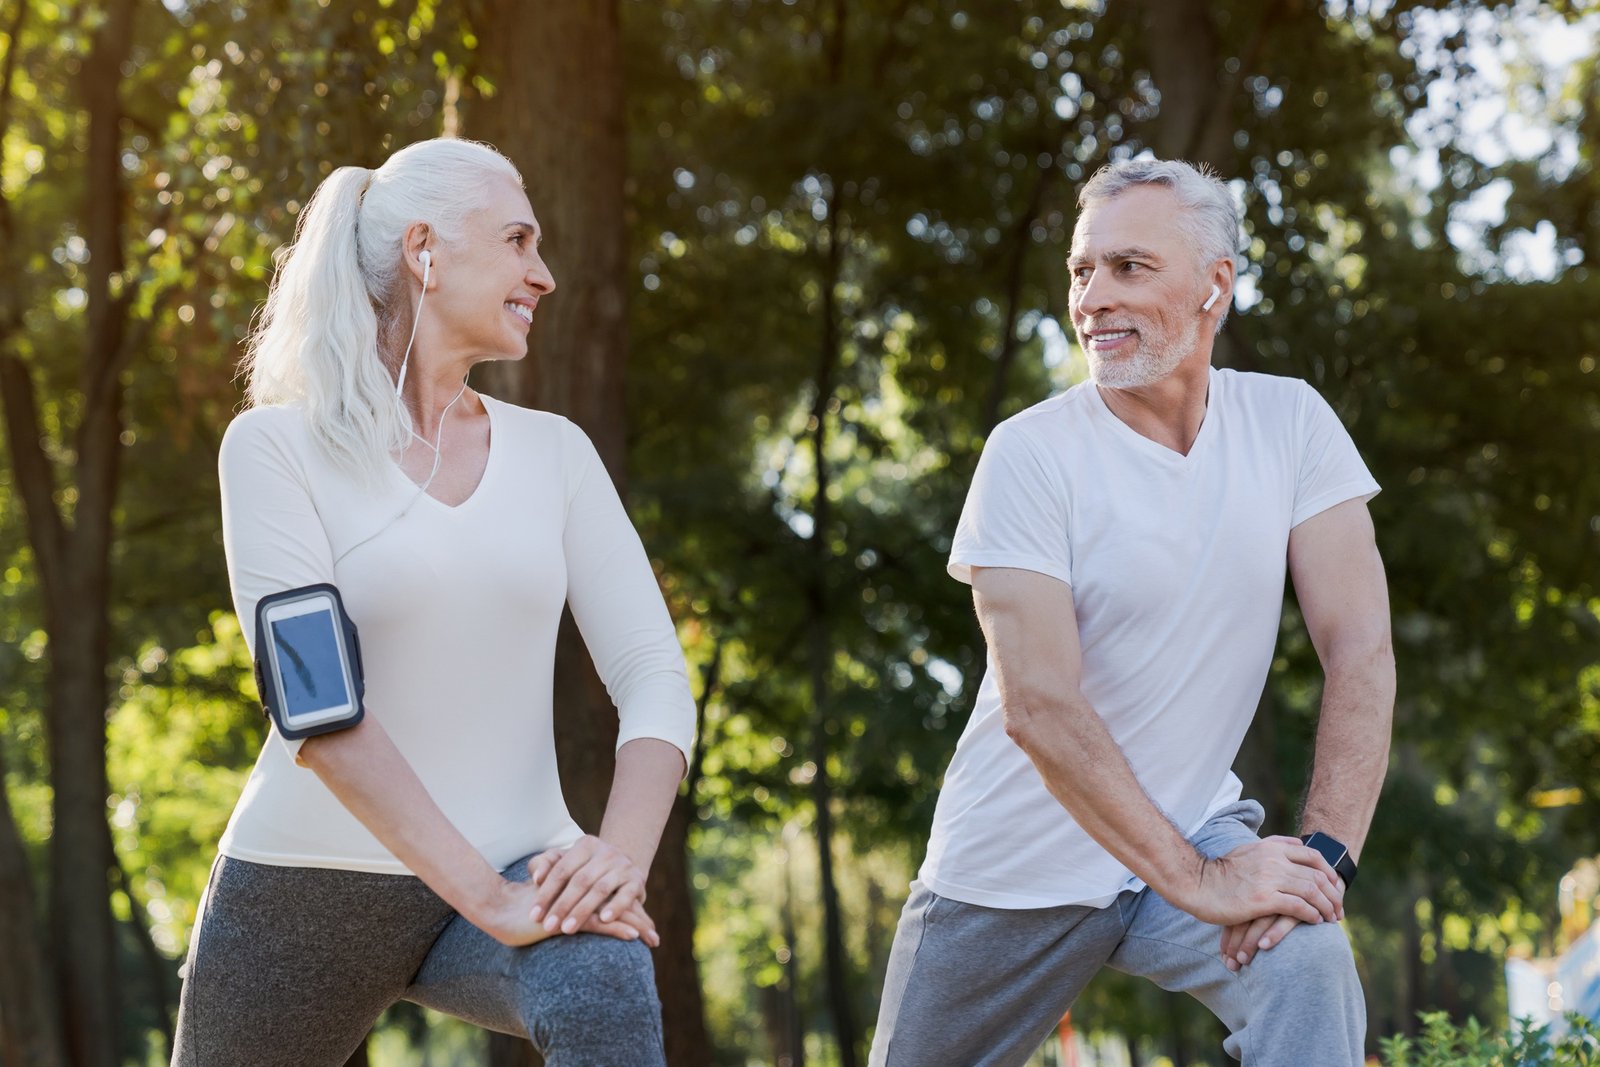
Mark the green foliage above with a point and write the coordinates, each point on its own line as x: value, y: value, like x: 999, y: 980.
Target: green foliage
x: 899, y: 176
x: 1444, y: 1044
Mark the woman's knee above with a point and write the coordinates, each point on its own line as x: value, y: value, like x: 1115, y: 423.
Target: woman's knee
x: 582, y: 986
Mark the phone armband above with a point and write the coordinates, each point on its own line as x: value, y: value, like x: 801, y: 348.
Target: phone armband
x: 308, y: 662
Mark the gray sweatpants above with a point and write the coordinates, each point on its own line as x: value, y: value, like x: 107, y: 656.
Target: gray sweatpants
x: 293, y: 965
x: 970, y: 986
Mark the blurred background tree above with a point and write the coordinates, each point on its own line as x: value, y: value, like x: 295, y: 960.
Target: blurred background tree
x: 809, y: 253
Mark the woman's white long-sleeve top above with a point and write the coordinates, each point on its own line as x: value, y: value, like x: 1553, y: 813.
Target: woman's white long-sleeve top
x: 458, y: 609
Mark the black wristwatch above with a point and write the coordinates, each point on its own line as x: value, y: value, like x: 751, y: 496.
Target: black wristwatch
x: 1335, y: 853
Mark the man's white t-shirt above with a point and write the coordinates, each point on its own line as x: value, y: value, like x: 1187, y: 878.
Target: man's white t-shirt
x: 1177, y: 565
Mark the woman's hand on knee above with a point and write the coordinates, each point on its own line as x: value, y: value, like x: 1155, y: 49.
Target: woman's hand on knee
x: 633, y: 924
x: 507, y: 916
x: 590, y: 879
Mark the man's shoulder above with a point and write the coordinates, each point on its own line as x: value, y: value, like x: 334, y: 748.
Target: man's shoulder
x: 1057, y: 414
x: 1256, y: 387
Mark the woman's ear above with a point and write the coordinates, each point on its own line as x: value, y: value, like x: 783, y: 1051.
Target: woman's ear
x: 418, y: 255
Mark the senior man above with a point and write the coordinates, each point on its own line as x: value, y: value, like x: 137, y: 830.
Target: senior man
x: 1127, y: 543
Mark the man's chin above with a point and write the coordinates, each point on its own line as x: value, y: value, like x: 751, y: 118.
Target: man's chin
x: 1133, y: 372
x: 1123, y: 375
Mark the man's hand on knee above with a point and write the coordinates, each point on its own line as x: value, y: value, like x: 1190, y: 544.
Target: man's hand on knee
x: 1267, y: 878
x: 1241, y: 941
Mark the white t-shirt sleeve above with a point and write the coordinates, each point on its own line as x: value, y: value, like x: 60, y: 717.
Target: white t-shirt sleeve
x: 1331, y: 470
x: 271, y: 532
x: 1015, y: 514
x: 617, y: 604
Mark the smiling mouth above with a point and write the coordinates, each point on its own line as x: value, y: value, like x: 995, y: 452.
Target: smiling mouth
x: 521, y: 311
x: 1109, y: 338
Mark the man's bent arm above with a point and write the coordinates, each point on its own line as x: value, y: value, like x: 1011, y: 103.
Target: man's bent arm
x: 1338, y: 578
x: 1339, y: 581
x: 1029, y: 622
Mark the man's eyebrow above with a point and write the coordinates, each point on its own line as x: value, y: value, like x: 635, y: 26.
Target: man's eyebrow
x: 1117, y: 255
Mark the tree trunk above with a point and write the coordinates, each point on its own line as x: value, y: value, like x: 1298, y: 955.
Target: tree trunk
x: 1193, y: 120
x: 72, y: 554
x: 821, y: 656
x: 793, y: 1052
x: 155, y: 964
x: 508, y: 1051
x: 671, y: 905
x: 29, y: 1032
x: 81, y: 850
x: 1261, y: 771
x: 561, y: 121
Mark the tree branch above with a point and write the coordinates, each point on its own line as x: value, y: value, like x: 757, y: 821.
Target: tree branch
x: 891, y: 42
x: 10, y: 314
x: 1022, y: 244
x: 710, y: 681
x: 1202, y: 136
x: 35, y: 478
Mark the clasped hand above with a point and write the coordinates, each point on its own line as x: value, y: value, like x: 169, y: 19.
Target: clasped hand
x: 592, y: 887
x: 1262, y: 890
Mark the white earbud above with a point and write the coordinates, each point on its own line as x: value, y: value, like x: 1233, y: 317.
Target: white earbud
x: 1216, y: 291
x: 425, y: 257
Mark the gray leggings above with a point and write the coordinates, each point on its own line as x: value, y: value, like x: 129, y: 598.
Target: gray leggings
x: 293, y: 965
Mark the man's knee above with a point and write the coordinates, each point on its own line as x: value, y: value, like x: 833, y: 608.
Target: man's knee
x: 1311, y: 963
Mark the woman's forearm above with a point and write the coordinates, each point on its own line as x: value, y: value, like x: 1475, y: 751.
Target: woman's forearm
x: 366, y: 772
x: 642, y: 790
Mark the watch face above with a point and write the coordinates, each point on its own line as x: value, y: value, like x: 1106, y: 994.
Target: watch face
x: 1337, y: 855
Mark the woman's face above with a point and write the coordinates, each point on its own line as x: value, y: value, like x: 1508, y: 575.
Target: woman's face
x: 488, y: 280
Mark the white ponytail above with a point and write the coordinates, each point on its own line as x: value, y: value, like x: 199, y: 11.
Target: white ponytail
x: 323, y: 340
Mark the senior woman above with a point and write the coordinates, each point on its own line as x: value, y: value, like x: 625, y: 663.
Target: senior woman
x: 426, y: 853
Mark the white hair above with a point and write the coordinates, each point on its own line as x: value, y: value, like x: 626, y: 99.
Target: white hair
x: 336, y: 303
x: 1209, y: 221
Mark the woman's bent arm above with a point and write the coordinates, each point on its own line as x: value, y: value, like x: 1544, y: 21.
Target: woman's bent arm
x: 366, y: 772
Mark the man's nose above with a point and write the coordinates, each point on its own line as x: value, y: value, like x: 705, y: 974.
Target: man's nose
x: 1097, y: 293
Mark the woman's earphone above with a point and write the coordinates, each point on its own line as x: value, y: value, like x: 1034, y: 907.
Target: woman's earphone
x: 425, y: 257
x: 1216, y: 291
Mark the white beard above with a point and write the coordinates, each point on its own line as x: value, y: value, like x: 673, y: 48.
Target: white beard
x: 1156, y: 356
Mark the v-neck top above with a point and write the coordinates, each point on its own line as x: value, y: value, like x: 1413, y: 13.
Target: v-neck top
x: 394, y: 471
x: 1176, y: 564
x: 458, y: 609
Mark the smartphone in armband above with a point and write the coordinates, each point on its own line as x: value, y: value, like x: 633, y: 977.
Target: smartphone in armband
x: 308, y: 662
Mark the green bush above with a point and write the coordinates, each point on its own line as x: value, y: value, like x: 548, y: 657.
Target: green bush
x: 1444, y: 1044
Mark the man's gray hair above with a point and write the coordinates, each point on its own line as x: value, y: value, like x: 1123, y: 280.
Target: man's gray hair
x: 1210, y: 220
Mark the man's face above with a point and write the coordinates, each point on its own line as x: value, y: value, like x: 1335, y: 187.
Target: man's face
x: 1136, y: 288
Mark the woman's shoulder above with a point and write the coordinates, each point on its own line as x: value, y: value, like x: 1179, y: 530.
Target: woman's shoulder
x: 268, y: 420
x: 278, y: 426
x: 536, y: 428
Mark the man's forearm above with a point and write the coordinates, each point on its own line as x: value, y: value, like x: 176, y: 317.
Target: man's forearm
x: 1085, y: 770
x: 1352, y: 755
